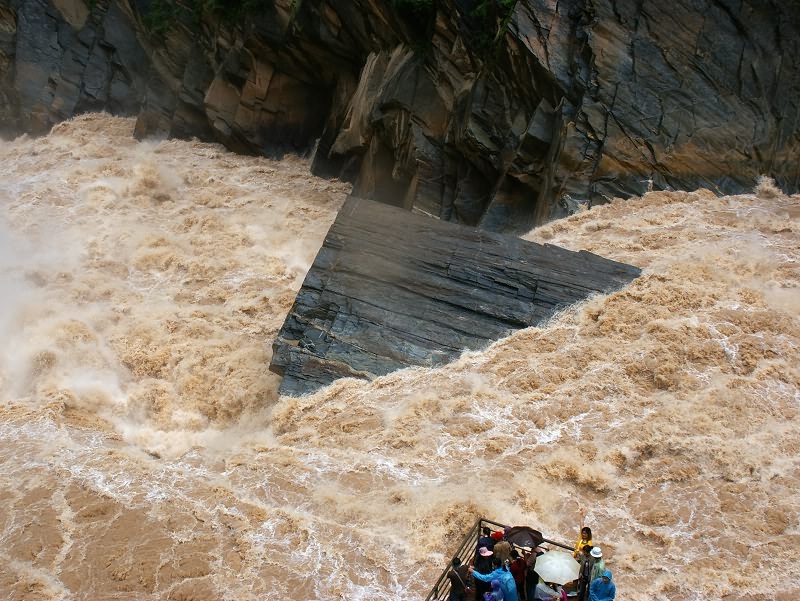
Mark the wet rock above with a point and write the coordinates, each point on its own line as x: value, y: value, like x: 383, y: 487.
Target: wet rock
x: 468, y: 111
x: 59, y: 59
x: 391, y: 289
x: 9, y: 102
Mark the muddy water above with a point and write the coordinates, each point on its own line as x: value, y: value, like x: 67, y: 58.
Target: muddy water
x: 144, y: 453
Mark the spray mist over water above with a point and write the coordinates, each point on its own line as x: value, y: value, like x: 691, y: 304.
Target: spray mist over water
x: 145, y: 453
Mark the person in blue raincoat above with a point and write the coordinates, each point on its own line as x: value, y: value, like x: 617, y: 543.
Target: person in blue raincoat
x: 496, y: 594
x: 503, y: 574
x: 602, y: 589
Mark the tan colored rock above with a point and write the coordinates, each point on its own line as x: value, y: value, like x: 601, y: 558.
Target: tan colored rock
x: 75, y: 12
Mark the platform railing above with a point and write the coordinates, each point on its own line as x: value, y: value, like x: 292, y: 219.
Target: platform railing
x: 466, y: 553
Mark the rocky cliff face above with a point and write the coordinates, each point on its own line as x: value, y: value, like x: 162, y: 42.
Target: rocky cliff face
x: 493, y: 113
x: 59, y: 59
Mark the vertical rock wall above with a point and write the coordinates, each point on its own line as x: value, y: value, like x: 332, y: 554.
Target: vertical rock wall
x: 483, y: 112
x: 58, y: 59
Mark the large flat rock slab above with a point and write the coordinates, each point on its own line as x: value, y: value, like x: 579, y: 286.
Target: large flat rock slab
x: 391, y: 289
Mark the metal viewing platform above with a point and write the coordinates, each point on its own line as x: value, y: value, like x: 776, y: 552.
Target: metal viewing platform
x: 466, y: 551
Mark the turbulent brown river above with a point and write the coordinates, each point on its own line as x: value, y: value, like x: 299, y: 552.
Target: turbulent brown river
x: 145, y: 453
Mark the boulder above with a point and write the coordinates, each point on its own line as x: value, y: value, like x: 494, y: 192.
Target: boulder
x: 392, y: 288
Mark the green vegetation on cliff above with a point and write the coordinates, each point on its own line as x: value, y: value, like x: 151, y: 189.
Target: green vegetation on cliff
x: 160, y: 14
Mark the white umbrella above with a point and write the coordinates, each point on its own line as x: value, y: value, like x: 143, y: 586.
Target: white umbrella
x: 558, y: 567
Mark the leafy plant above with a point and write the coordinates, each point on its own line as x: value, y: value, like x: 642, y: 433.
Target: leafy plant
x: 418, y: 16
x: 232, y: 11
x: 484, y: 16
x: 419, y: 6
x: 486, y: 8
x: 160, y: 14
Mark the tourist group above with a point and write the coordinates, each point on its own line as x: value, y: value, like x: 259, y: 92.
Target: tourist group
x: 502, y: 571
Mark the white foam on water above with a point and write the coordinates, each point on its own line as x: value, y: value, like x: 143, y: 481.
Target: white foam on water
x: 143, y: 284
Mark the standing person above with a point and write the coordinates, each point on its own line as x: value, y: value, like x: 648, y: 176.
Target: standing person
x: 599, y: 563
x: 458, y: 575
x: 503, y: 574
x: 585, y: 574
x: 585, y: 539
x: 531, y: 576
x: 602, y: 589
x: 485, y: 541
x: 496, y: 594
x: 502, y: 548
x: 518, y: 569
x: 482, y: 565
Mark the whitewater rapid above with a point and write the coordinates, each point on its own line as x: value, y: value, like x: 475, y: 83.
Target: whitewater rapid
x: 145, y: 454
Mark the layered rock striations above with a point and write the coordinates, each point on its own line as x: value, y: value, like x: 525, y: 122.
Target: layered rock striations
x: 59, y: 58
x: 391, y: 289
x: 490, y: 113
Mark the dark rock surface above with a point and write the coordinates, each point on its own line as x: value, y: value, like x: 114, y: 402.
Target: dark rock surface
x: 59, y: 59
x: 461, y: 109
x: 391, y: 289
